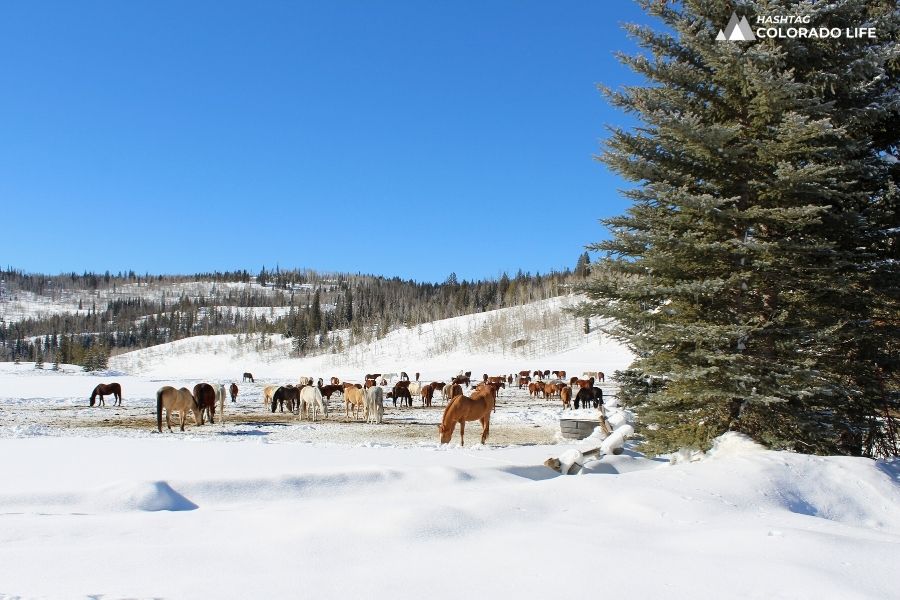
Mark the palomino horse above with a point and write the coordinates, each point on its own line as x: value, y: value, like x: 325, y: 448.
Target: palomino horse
x: 463, y: 408
x: 181, y: 400
x: 205, y: 395
x: 268, y: 392
x: 234, y: 391
x: 357, y: 398
x: 248, y: 377
x: 105, y: 389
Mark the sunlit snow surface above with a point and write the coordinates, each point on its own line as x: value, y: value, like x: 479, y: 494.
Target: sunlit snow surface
x: 93, y: 503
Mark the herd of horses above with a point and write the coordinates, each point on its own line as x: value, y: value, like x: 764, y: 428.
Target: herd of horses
x: 367, y: 399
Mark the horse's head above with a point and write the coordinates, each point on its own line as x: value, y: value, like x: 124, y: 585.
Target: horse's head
x: 445, y: 432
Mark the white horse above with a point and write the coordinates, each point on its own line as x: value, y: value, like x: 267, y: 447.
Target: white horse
x: 220, y: 398
x: 311, y: 398
x: 375, y: 405
x: 306, y: 381
x: 415, y: 388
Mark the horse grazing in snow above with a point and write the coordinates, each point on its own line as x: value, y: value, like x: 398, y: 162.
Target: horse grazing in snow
x: 463, y: 408
x: 248, y: 377
x: 181, y: 400
x: 105, y: 389
x: 286, y: 394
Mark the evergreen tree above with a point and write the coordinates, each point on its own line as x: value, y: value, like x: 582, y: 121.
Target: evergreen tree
x: 755, y: 273
x: 38, y: 358
x: 583, y: 266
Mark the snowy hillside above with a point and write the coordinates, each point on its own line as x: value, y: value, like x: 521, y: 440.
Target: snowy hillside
x: 536, y: 335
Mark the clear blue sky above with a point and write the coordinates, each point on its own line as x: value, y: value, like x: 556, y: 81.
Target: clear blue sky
x: 396, y: 138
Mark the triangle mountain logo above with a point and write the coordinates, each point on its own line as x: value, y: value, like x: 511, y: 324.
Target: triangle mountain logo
x: 736, y: 30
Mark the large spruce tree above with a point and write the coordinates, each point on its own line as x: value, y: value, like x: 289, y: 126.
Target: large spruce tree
x: 755, y: 273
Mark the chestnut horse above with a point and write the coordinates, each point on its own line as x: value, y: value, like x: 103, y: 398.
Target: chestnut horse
x: 105, y: 389
x: 205, y: 395
x: 234, y: 391
x: 427, y: 394
x: 463, y: 408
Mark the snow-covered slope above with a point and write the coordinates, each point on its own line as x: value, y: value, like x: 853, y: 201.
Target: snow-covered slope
x: 537, y: 335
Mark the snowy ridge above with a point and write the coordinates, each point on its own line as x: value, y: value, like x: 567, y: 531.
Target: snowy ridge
x: 536, y: 335
x: 23, y: 304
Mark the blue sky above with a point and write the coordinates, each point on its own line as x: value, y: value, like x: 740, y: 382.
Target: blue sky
x: 397, y: 138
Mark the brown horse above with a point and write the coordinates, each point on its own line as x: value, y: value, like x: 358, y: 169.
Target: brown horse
x: 172, y: 400
x: 247, y: 377
x: 105, y: 389
x: 427, y: 394
x: 462, y: 380
x: 335, y: 381
x: 566, y: 395
x: 463, y: 408
x: 234, y: 391
x: 451, y: 390
x: 205, y: 396
x: 328, y: 390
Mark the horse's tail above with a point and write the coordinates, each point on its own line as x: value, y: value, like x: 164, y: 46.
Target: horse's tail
x: 159, y: 406
x: 93, y: 396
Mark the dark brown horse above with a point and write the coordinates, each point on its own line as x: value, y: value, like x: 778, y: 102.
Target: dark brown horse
x: 234, y: 391
x: 105, y: 389
x: 462, y: 380
x: 401, y: 393
x: 248, y: 377
x: 286, y: 394
x: 328, y: 390
x: 205, y: 396
x: 335, y: 381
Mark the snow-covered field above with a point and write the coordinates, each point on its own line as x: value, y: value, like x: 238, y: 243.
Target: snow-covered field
x: 94, y: 504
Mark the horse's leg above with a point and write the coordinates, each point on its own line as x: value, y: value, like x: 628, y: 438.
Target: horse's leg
x: 486, y: 426
x: 462, y: 432
x: 168, y: 420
